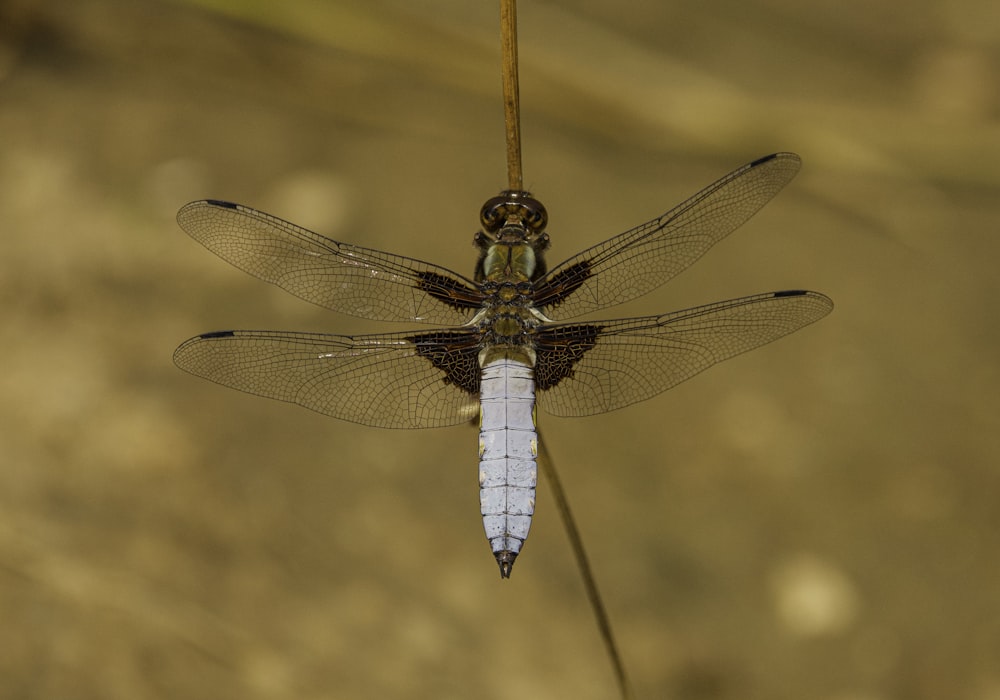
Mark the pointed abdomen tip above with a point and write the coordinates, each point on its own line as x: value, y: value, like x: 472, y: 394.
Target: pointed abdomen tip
x: 506, y: 562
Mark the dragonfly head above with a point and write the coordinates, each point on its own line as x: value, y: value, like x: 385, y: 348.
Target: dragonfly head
x: 513, y: 208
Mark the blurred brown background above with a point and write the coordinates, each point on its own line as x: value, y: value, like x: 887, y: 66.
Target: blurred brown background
x: 817, y: 519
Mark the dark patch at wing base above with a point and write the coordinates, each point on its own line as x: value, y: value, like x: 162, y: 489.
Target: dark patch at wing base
x: 456, y: 353
x: 558, y: 350
x: 449, y: 290
x: 550, y: 294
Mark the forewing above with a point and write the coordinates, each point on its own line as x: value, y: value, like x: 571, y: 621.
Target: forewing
x: 590, y: 368
x: 392, y: 380
x: 339, y: 276
x: 640, y: 260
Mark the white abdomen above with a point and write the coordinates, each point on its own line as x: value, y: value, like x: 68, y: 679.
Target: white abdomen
x: 508, y: 447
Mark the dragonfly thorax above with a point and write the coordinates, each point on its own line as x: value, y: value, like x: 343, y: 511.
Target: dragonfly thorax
x: 506, y: 263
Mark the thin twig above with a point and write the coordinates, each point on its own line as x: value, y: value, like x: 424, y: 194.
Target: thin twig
x: 512, y: 123
x: 511, y: 99
x: 589, y: 583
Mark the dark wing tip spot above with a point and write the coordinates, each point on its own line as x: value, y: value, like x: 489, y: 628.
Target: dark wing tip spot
x: 791, y: 293
x: 217, y: 334
x: 221, y: 203
x: 764, y: 159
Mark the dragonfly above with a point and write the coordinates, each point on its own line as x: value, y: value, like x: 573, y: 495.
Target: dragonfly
x: 501, y: 344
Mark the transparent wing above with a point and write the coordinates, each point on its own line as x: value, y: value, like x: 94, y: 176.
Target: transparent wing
x: 392, y: 380
x: 640, y: 260
x: 590, y: 368
x: 339, y: 276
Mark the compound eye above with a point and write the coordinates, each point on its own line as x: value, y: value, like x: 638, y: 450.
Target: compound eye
x: 535, y: 216
x: 493, y: 215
